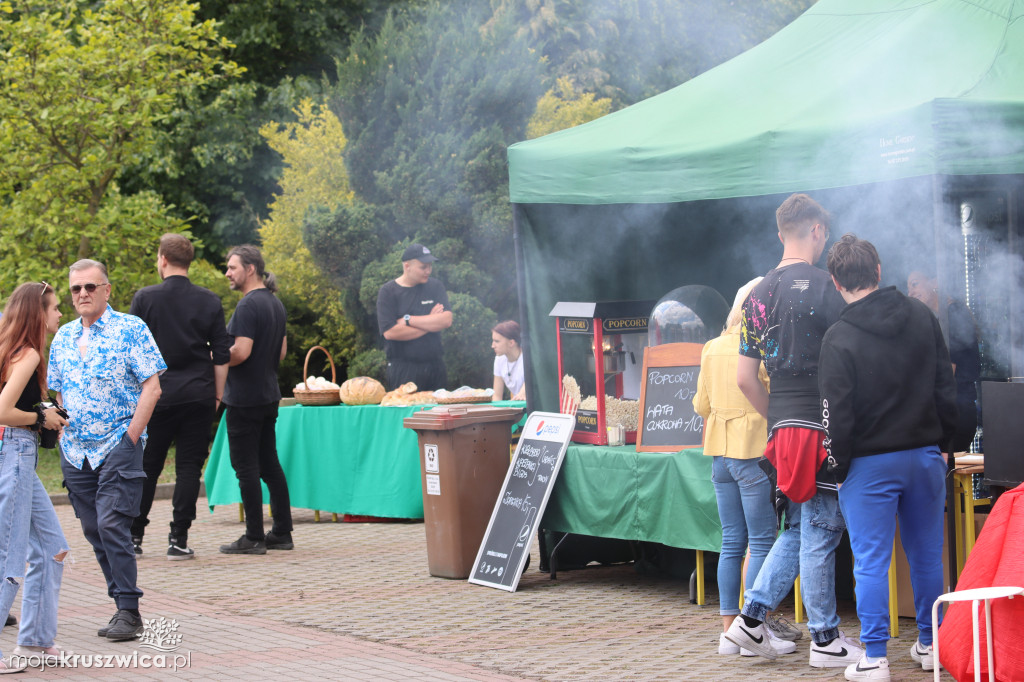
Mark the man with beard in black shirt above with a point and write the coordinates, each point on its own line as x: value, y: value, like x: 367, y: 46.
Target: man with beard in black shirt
x: 251, y: 398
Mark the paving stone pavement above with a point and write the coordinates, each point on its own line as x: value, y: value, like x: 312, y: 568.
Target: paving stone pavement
x: 355, y: 601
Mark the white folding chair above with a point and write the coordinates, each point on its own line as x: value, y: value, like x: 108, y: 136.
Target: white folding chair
x: 978, y: 594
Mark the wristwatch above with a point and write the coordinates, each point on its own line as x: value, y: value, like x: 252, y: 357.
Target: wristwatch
x: 407, y: 318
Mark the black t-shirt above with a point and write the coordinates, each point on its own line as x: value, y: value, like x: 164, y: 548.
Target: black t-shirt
x: 784, y: 320
x: 261, y: 317
x: 30, y: 395
x: 187, y: 322
x: 394, y: 301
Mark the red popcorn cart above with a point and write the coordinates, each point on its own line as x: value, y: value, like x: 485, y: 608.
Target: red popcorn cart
x: 600, y: 357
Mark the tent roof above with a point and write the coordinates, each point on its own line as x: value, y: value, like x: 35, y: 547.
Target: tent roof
x: 852, y: 92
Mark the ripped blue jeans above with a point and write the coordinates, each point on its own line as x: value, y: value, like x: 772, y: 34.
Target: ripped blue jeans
x: 806, y: 548
x: 29, y: 531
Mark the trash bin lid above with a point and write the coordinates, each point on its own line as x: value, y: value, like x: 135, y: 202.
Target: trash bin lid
x: 445, y: 417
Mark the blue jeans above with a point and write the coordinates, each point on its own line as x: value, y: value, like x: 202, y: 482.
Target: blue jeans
x: 29, y: 531
x: 106, y: 501
x: 744, y: 495
x: 806, y: 548
x: 909, y: 484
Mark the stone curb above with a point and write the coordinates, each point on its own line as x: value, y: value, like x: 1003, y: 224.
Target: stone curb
x: 164, y: 491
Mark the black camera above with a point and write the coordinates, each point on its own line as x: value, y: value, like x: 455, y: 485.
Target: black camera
x: 48, y: 437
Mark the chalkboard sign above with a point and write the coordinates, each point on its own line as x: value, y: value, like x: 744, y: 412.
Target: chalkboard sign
x: 520, y: 506
x: 667, y: 420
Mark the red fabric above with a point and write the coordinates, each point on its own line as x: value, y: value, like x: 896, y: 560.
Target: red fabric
x: 797, y: 454
x: 996, y: 560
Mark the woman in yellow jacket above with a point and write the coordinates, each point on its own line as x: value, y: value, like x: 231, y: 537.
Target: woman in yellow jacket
x: 735, y: 435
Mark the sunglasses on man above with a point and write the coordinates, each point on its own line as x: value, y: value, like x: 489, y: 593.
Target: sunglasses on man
x: 90, y: 287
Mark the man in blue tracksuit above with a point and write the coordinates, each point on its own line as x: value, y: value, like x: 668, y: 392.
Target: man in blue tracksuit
x: 888, y: 407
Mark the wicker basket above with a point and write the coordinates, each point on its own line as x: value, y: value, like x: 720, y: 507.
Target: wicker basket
x: 317, y: 396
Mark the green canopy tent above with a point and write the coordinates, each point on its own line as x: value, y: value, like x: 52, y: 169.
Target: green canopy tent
x: 891, y: 113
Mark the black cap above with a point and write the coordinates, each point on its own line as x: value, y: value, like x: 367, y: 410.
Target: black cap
x: 419, y: 252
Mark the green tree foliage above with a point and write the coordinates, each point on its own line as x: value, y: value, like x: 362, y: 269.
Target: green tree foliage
x: 629, y: 50
x: 564, y: 107
x: 224, y: 175
x: 83, y: 93
x: 430, y: 105
x: 275, y: 39
x: 470, y: 332
x: 314, y: 178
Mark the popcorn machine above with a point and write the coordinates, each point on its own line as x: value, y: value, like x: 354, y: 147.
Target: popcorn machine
x: 601, y: 345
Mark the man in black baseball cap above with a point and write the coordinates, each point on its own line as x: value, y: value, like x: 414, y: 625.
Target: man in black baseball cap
x: 412, y: 311
x: 418, y: 252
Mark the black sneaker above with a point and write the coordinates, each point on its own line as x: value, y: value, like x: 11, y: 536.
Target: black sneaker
x: 279, y: 541
x: 11, y: 620
x: 125, y: 625
x: 244, y: 545
x: 178, y: 548
x: 137, y: 544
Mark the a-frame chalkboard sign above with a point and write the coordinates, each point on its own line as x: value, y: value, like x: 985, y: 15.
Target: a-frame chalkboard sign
x: 520, y: 506
x: 667, y: 420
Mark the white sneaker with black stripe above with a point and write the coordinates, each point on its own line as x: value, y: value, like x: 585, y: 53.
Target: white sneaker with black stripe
x: 868, y: 669
x: 755, y: 639
x: 781, y: 646
x: 923, y: 655
x: 838, y: 653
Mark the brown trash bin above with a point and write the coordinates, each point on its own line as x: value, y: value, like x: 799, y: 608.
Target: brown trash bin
x: 463, y: 461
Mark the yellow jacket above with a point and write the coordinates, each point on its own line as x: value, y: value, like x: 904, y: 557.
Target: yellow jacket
x: 732, y: 427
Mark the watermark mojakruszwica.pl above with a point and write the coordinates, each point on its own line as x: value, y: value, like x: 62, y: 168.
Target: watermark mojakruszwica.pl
x: 158, y: 634
x: 134, y: 659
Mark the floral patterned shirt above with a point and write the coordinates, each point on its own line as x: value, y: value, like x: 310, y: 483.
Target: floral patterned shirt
x: 101, y: 390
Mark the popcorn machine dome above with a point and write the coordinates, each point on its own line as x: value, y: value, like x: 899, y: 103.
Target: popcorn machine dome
x: 600, y: 349
x: 691, y: 314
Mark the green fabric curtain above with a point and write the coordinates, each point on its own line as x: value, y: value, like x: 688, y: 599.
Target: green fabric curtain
x: 852, y: 92
x: 347, y: 459
x: 621, y: 493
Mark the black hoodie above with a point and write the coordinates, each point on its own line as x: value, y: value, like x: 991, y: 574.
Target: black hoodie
x: 885, y: 379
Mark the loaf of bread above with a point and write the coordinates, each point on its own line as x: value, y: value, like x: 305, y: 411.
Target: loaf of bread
x: 406, y: 395
x: 361, y: 391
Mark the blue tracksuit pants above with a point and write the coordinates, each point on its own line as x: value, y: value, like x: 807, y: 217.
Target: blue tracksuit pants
x: 908, y: 485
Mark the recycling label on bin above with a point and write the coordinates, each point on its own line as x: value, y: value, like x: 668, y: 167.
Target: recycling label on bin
x: 520, y: 505
x: 430, y: 463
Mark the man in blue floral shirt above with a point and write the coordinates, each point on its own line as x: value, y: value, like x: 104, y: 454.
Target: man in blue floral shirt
x: 105, y: 368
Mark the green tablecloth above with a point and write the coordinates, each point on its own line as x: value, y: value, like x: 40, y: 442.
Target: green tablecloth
x: 356, y: 460
x: 664, y: 497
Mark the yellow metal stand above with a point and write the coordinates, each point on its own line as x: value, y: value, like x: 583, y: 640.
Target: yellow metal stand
x: 963, y: 509
x: 700, y: 577
x: 894, y: 602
